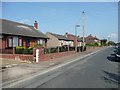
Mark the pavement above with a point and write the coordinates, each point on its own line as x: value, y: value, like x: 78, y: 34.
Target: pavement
x: 19, y: 70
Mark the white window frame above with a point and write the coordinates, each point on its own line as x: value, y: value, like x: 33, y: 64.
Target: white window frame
x: 40, y: 41
x: 10, y: 42
x: 20, y: 41
x: 15, y: 41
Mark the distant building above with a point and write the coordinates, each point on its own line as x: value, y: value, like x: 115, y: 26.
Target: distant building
x: 91, y: 39
x: 56, y: 40
x: 73, y: 37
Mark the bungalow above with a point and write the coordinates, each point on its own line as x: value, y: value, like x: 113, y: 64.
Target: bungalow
x: 91, y: 39
x: 14, y: 34
x: 73, y: 37
x: 58, y: 40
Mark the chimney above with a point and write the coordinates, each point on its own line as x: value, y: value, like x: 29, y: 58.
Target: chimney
x: 35, y: 25
x: 66, y: 34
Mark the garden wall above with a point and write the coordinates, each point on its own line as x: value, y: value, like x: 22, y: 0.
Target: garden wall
x: 17, y: 56
x: 56, y: 55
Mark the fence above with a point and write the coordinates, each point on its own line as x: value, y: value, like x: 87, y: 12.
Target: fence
x: 58, y: 49
x: 46, y: 50
x: 48, y: 55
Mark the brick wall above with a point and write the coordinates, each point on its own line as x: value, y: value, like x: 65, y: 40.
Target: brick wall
x: 17, y: 56
x: 57, y: 55
x: 2, y: 43
x: 42, y: 56
x: 31, y: 57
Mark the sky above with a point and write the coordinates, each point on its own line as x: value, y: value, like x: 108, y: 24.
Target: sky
x: 60, y: 0
x: 119, y: 22
x: 101, y: 18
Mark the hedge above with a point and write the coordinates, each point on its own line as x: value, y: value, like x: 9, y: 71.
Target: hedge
x: 22, y: 50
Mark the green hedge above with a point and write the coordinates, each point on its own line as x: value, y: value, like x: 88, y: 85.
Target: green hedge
x: 92, y: 44
x: 37, y: 45
x: 55, y: 49
x: 51, y: 50
x: 22, y: 50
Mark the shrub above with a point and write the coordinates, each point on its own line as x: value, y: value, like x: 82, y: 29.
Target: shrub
x: 19, y: 50
x: 37, y: 45
x: 46, y: 51
x: 22, y: 50
x: 50, y: 50
x: 96, y: 44
x: 53, y: 50
x: 28, y: 51
x: 93, y: 44
x: 62, y: 49
x: 72, y: 49
x: 19, y: 47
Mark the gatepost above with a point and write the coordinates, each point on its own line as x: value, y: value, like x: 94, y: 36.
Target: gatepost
x: 38, y: 54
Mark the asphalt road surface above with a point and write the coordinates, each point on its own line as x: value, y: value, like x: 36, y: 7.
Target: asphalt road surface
x: 99, y: 70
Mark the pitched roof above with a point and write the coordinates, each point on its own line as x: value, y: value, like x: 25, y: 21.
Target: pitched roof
x: 78, y: 38
x: 90, y: 36
x: 96, y: 38
x: 15, y: 28
x: 60, y: 37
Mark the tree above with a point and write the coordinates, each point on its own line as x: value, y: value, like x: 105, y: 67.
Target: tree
x: 103, y: 42
x: 111, y: 43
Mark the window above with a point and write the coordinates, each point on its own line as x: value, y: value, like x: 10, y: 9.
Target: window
x: 15, y: 41
x: 1, y: 36
x: 40, y: 41
x: 10, y: 42
x: 20, y: 42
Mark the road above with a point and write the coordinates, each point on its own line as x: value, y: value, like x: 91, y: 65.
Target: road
x: 99, y: 70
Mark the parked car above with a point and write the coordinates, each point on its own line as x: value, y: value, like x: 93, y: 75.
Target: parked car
x: 117, y: 47
x: 118, y: 57
x: 117, y: 54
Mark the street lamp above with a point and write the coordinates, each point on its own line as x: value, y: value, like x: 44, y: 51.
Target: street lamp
x: 108, y: 41
x: 76, y: 37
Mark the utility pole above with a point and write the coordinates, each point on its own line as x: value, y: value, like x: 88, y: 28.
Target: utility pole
x: 108, y: 41
x: 75, y: 39
x: 83, y: 28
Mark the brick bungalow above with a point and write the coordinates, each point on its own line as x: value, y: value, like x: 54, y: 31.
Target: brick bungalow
x: 73, y: 37
x: 58, y: 40
x: 91, y: 39
x: 14, y: 34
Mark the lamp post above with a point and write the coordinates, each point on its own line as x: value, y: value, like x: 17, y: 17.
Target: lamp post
x: 76, y: 37
x: 108, y: 41
x: 83, y: 28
